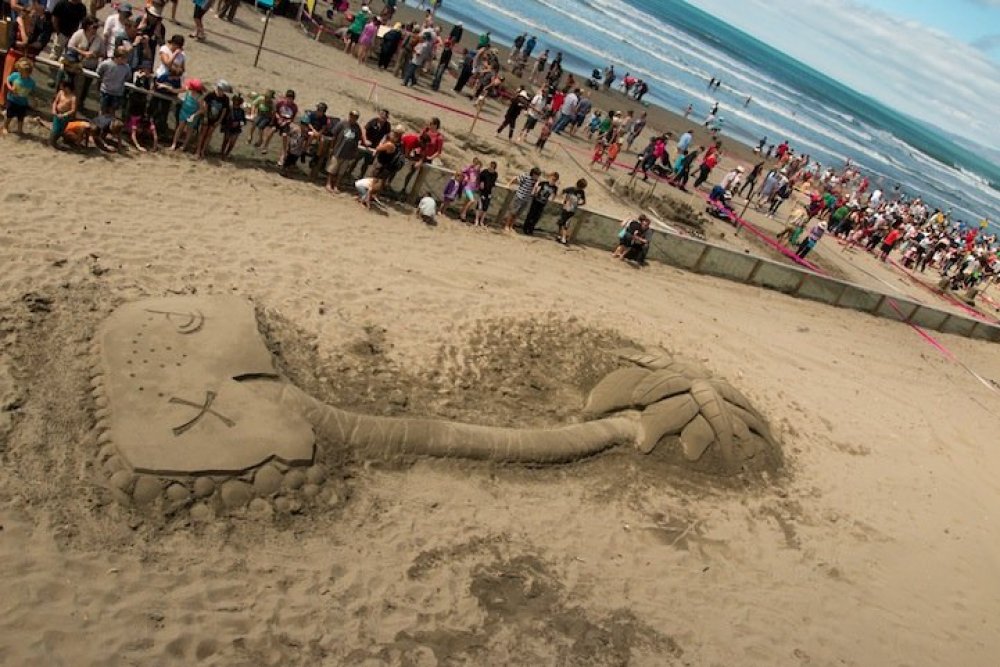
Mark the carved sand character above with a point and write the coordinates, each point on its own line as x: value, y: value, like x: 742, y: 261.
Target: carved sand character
x: 186, y: 388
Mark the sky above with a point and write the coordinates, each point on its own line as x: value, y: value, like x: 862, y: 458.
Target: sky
x: 935, y: 60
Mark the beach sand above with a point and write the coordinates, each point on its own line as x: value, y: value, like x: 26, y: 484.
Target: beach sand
x: 874, y: 546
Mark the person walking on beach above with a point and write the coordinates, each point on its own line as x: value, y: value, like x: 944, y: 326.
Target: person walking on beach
x: 444, y: 60
x: 529, y: 46
x: 751, y: 181
x: 517, y: 104
x: 536, y: 111
x: 634, y: 130
x: 515, y: 52
x: 567, y: 111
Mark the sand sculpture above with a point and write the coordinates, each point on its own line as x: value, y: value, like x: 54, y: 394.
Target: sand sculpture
x: 189, y: 406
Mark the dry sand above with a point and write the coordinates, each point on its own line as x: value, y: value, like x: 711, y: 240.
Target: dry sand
x: 877, y: 546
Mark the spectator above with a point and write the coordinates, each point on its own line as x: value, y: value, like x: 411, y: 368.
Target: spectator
x: 345, y: 139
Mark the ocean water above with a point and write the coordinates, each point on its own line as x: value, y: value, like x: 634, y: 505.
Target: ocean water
x: 677, y: 48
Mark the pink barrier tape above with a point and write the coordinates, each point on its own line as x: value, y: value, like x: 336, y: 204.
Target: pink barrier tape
x: 943, y: 294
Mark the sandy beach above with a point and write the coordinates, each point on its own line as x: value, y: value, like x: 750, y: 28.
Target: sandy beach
x: 875, y: 545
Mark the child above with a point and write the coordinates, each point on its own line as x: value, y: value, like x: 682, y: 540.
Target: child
x: 452, y: 189
x: 470, y: 185
x: 139, y: 125
x: 189, y: 115
x: 114, y: 73
x: 107, y: 126
x: 293, y: 146
x: 598, y: 153
x: 261, y: 109
x: 612, y: 154
x: 427, y: 209
x: 63, y: 110
x: 487, y: 181
x: 216, y: 108
x: 543, y: 135
x: 20, y: 87
x: 233, y: 126
x: 573, y: 198
x: 595, y: 122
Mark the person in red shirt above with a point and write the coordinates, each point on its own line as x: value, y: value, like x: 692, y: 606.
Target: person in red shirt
x: 707, y: 165
x: 889, y: 241
x: 431, y: 145
x: 558, y: 98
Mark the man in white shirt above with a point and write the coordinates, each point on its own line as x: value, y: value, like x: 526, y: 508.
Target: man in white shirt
x: 567, y: 112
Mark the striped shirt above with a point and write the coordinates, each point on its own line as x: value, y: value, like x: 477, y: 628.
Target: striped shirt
x: 525, y: 186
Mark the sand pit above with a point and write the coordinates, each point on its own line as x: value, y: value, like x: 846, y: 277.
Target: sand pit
x: 874, y: 544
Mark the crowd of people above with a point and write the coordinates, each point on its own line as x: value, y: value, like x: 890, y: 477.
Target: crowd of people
x: 131, y: 46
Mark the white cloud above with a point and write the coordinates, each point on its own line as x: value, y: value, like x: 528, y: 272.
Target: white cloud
x: 917, y: 70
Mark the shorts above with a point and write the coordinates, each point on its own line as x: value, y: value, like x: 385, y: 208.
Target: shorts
x: 199, y: 12
x: 517, y: 206
x: 18, y: 111
x: 262, y: 121
x: 529, y: 123
x: 580, y: 118
x: 470, y: 194
x: 353, y: 37
x: 112, y: 102
x: 290, y: 160
x: 58, y: 126
x: 484, y: 203
x: 564, y: 217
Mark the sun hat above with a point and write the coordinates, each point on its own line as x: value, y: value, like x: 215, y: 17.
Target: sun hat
x: 124, y: 8
x: 224, y: 86
x: 195, y: 85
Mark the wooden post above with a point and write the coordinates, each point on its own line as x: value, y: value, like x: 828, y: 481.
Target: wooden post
x: 371, y: 91
x: 475, y: 119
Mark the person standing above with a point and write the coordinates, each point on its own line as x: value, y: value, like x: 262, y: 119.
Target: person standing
x: 515, y: 53
x: 815, y: 234
x: 465, y: 73
x: 573, y: 199
x: 67, y: 15
x: 517, y: 104
x: 390, y: 42
x: 540, y: 196
x: 522, y: 196
x: 444, y: 60
x: 529, y: 46
x: 567, y: 110
x: 634, y: 130
x: 422, y: 54
x: 345, y: 138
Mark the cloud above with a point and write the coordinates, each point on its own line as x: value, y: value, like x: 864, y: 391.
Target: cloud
x: 922, y: 72
x: 987, y: 42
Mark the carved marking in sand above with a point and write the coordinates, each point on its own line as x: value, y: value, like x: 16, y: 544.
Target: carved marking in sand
x: 150, y: 368
x: 204, y: 409
x: 188, y: 323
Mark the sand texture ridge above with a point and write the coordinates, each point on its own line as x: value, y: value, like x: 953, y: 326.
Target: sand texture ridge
x: 869, y: 538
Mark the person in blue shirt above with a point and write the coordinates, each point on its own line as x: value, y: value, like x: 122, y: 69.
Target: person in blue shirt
x: 20, y: 87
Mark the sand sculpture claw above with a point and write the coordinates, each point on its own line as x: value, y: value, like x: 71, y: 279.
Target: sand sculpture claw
x: 680, y: 403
